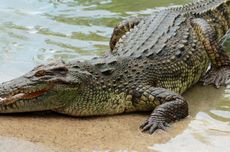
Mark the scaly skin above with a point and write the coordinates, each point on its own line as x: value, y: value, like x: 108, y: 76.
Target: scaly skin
x: 153, y: 60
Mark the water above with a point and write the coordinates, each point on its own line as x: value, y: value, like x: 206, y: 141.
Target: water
x: 37, y: 31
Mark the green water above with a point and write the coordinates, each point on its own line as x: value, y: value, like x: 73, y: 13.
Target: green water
x: 37, y: 31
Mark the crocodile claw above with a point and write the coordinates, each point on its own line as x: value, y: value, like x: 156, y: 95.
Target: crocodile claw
x: 218, y: 77
x: 151, y: 125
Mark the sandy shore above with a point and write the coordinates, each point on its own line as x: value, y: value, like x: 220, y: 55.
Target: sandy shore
x: 61, y: 133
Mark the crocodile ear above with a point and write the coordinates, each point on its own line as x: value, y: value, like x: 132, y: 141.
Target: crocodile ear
x: 82, y: 76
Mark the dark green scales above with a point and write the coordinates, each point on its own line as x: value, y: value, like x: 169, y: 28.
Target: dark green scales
x: 152, y: 61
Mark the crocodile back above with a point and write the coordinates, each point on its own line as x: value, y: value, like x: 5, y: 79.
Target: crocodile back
x: 168, y: 30
x: 151, y: 35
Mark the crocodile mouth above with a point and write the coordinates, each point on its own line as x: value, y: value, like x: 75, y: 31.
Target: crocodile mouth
x: 23, y: 95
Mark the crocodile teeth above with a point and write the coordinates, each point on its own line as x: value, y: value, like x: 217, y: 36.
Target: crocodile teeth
x: 23, y: 94
x: 123, y: 37
x: 120, y: 40
x: 18, y: 95
x: 2, y: 99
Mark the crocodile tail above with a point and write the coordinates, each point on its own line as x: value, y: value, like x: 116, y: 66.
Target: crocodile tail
x: 215, y: 12
x: 218, y: 17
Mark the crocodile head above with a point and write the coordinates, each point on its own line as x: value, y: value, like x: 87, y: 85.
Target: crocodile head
x: 46, y: 87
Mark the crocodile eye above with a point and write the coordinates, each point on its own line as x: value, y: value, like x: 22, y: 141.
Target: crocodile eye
x: 62, y: 70
x: 40, y: 73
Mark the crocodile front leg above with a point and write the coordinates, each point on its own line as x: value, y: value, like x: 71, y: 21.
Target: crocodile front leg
x: 121, y: 29
x: 219, y: 74
x: 170, y: 107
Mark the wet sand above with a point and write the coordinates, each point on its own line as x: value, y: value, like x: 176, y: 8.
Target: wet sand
x: 60, y: 133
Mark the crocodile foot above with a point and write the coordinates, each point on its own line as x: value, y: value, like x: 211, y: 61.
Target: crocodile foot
x: 171, y: 107
x: 218, y: 77
x: 152, y: 124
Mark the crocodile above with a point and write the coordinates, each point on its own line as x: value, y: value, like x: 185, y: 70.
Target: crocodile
x: 152, y: 62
